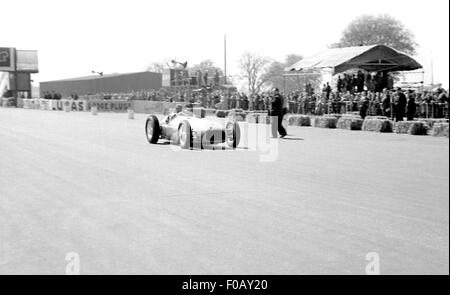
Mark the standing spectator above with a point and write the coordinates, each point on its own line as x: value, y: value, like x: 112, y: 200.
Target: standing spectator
x: 364, y: 105
x: 216, y: 78
x: 443, y: 100
x: 411, y: 107
x: 205, y: 76
x: 348, y: 83
x: 244, y: 102
x: 354, y: 83
x: 339, y: 84
x: 386, y: 103
x: 360, y: 81
x: 199, y: 78
x: 261, y: 103
x: 233, y: 102
x: 390, y: 82
x: 327, y: 90
x: 276, y: 112
x: 377, y: 83
x: 369, y: 82
x: 256, y: 102
x: 399, y: 105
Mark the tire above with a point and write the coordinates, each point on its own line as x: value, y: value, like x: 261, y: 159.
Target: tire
x: 152, y: 129
x: 185, y: 135
x: 233, y: 134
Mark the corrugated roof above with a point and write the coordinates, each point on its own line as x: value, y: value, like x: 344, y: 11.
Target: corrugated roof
x: 371, y: 57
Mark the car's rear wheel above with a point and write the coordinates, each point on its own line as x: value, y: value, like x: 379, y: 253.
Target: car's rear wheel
x: 185, y: 135
x: 233, y: 134
x: 152, y: 129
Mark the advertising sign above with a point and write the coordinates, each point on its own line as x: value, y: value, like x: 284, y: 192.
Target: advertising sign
x: 7, y: 61
x: 27, y: 61
x: 109, y: 105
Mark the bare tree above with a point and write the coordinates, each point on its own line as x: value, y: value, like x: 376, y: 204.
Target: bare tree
x: 253, y: 67
x: 206, y: 66
x: 157, y: 67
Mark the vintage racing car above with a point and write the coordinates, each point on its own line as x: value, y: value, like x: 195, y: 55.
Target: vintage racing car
x: 188, y: 130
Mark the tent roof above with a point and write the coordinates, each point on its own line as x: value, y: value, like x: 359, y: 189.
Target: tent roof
x: 369, y: 58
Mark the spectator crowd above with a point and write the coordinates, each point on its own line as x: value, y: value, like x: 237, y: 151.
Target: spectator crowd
x: 363, y: 93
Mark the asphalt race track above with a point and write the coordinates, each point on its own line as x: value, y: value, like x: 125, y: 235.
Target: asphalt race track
x: 74, y: 182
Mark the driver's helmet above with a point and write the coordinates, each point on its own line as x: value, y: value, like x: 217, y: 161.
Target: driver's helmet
x: 178, y: 108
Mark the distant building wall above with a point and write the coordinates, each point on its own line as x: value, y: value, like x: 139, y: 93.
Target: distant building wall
x: 117, y: 83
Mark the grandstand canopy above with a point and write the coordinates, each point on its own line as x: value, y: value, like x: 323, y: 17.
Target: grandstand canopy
x: 370, y: 58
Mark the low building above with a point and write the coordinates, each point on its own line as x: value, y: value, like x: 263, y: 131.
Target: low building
x: 108, y: 83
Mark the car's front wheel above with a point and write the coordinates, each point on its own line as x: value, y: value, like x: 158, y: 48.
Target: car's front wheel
x: 233, y: 134
x: 152, y: 129
x: 185, y: 135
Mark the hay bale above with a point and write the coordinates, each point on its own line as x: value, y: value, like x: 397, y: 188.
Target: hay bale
x: 440, y: 129
x: 299, y: 120
x: 411, y: 127
x: 377, y: 125
x: 430, y: 122
x: 402, y: 127
x: 418, y: 128
x: 325, y: 122
x: 350, y: 123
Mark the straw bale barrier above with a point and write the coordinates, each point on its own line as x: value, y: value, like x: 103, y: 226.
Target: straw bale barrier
x: 411, y: 127
x: 377, y: 125
x: 350, y: 123
x: 299, y: 120
x: 325, y: 122
x: 440, y: 129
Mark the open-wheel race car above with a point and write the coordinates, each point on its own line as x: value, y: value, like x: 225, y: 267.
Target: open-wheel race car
x: 189, y: 131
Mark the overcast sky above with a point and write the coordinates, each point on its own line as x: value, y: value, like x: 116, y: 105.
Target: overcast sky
x: 74, y: 37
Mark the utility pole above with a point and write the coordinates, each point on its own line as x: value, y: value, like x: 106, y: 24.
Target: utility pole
x: 225, y: 57
x: 432, y: 70
x: 16, y: 78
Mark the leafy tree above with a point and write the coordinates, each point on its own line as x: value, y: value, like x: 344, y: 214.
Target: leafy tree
x: 253, y: 68
x: 380, y: 29
x: 274, y: 74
